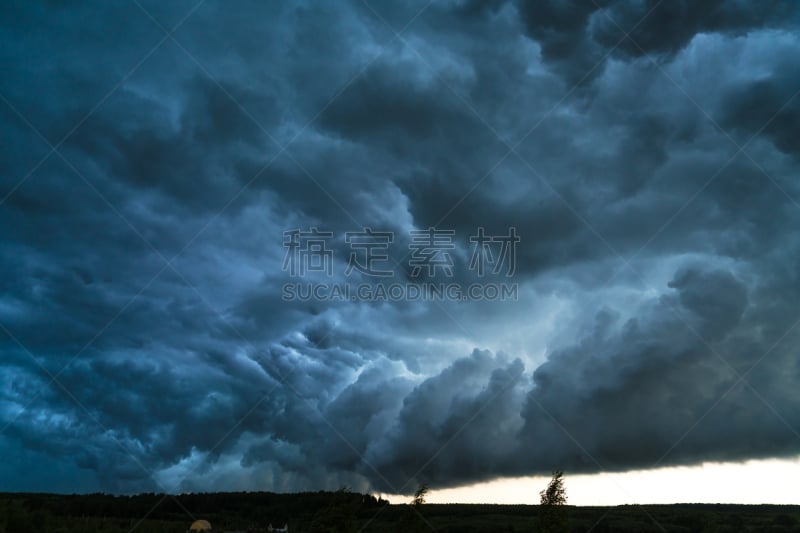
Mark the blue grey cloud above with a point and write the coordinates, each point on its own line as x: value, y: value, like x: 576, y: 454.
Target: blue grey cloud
x: 146, y: 180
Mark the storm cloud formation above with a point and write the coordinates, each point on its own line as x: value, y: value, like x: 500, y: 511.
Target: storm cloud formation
x: 154, y: 153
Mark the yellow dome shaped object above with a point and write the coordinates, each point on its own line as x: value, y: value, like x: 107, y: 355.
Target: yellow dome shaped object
x: 200, y: 525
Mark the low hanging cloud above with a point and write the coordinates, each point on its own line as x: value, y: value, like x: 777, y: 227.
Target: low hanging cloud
x: 147, y: 181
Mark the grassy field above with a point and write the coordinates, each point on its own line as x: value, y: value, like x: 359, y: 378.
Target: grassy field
x: 351, y: 512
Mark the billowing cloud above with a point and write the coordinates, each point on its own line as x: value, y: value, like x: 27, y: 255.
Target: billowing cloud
x: 147, y: 179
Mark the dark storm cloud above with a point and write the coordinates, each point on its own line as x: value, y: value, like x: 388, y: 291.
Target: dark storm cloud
x: 468, y: 411
x: 195, y: 374
x: 769, y: 106
x: 639, y: 389
x: 627, y: 395
x: 578, y: 35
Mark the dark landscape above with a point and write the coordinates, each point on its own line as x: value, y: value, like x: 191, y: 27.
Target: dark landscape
x: 351, y: 512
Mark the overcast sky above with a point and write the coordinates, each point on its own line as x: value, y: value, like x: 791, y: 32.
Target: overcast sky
x: 153, y: 154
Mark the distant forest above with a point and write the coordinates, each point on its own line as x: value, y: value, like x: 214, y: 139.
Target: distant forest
x: 349, y: 512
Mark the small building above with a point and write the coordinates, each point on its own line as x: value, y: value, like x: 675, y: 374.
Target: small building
x: 200, y: 525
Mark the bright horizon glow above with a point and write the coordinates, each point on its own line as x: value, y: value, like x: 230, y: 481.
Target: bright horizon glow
x: 765, y: 481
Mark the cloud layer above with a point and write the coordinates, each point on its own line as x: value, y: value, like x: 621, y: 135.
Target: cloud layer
x: 153, y: 155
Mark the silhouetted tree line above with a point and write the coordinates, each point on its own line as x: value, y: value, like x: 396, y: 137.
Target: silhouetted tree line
x: 347, y: 512
x: 30, y: 513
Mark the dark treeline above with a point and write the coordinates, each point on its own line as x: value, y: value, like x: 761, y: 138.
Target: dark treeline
x: 250, y: 505
x: 20, y: 512
x: 349, y: 512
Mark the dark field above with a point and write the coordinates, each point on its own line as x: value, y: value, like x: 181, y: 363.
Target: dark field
x: 351, y: 512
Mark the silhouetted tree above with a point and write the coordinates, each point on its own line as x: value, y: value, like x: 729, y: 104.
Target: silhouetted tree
x: 419, y: 495
x: 553, y: 516
x: 413, y: 520
x: 555, y: 493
